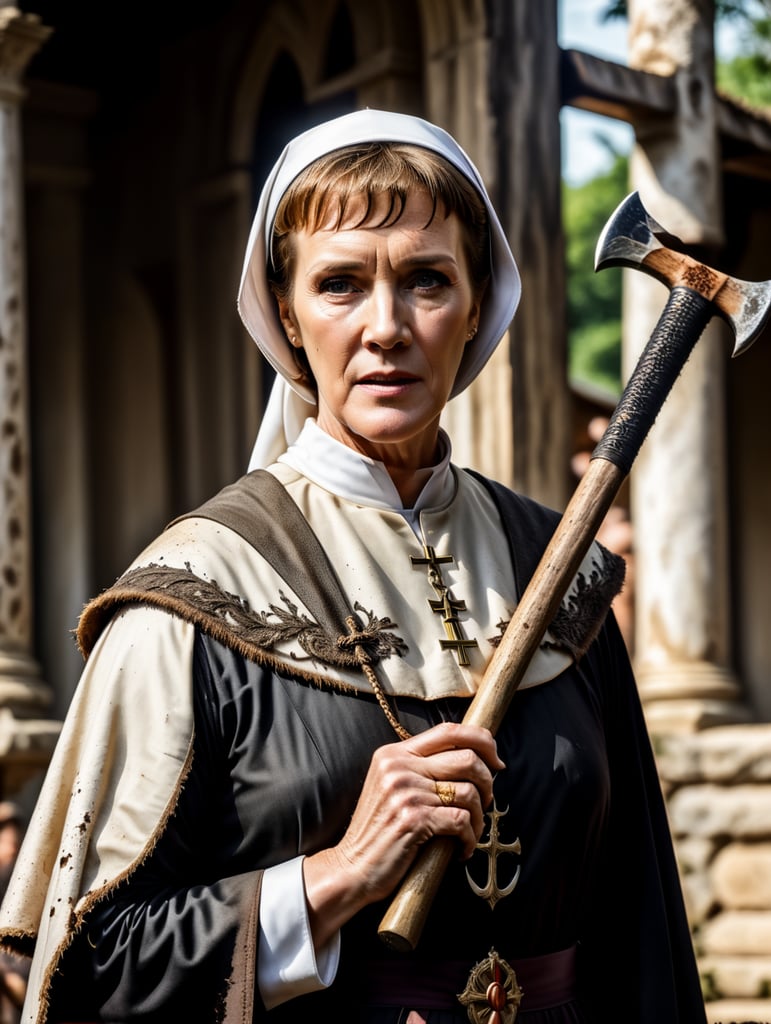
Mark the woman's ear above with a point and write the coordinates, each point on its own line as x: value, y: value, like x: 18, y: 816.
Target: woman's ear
x: 473, y: 324
x: 474, y: 314
x: 288, y: 322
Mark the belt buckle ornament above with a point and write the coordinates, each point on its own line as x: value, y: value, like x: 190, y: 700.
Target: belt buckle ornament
x: 492, y: 994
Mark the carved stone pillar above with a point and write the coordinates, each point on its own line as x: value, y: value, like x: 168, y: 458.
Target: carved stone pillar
x: 23, y: 694
x: 678, y: 483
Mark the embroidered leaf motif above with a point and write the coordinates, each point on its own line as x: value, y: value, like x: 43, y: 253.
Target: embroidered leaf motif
x: 580, y: 616
x: 204, y: 601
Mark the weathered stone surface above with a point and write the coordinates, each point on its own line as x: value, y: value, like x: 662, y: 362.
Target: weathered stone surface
x: 699, y: 897
x: 742, y: 876
x: 742, y: 811
x: 735, y: 754
x: 737, y: 933
x: 671, y: 718
x: 694, y: 858
x: 744, y: 977
x: 739, y: 1011
x: 695, y: 854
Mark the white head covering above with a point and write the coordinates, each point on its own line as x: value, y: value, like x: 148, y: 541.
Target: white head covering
x: 291, y: 400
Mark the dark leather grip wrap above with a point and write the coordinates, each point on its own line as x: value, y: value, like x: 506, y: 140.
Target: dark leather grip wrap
x: 685, y: 316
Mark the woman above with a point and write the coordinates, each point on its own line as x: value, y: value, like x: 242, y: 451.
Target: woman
x: 269, y: 725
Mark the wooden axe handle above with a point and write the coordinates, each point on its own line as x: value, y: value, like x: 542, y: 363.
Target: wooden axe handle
x: 680, y: 325
x: 403, y: 923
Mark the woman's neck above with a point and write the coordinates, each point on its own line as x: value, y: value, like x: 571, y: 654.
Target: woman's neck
x: 357, y: 477
x: 409, y: 482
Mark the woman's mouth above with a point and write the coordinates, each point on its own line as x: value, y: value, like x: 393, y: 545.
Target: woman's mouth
x: 387, y: 381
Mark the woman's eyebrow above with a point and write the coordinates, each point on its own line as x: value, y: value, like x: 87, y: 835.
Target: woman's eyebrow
x: 332, y: 265
x: 427, y: 259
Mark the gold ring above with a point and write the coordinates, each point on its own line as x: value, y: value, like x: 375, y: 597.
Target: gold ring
x: 446, y: 792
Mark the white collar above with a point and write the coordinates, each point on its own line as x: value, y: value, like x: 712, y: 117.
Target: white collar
x: 339, y: 469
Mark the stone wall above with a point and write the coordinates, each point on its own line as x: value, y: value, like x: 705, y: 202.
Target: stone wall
x: 718, y: 787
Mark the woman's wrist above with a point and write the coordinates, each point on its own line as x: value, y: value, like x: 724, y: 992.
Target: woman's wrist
x: 332, y: 893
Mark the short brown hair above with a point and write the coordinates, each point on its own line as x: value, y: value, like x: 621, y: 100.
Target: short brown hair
x: 373, y: 170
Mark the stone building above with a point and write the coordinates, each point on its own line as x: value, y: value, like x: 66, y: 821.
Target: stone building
x: 132, y: 145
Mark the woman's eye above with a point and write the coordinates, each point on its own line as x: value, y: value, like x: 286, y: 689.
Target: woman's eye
x: 336, y: 286
x: 426, y: 279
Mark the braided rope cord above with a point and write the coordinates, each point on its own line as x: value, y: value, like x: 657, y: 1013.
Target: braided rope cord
x: 356, y: 639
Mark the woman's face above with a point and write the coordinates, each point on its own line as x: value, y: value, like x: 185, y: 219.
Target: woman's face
x: 383, y: 315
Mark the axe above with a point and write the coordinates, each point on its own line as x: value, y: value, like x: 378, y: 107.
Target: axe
x: 631, y: 238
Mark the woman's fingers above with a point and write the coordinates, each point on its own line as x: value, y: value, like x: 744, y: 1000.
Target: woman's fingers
x: 437, y: 783
x: 467, y: 826
x: 455, y: 735
x: 450, y: 753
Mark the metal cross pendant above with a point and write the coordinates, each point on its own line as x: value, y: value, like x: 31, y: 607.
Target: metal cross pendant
x: 445, y: 605
x: 493, y: 848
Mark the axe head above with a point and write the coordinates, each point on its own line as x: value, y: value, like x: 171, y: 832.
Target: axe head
x: 632, y: 238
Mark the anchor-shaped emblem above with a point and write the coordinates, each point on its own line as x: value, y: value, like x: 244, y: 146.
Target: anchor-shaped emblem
x: 493, y: 848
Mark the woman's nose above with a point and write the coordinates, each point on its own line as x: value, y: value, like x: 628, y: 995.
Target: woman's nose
x: 386, y: 322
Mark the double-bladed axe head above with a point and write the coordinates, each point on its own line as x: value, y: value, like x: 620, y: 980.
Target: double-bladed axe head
x: 632, y: 238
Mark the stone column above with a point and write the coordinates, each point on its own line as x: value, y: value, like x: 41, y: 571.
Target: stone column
x: 23, y: 694
x: 678, y: 484
x: 56, y: 178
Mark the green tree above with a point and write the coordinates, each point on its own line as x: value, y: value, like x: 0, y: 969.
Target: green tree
x: 747, y: 76
x: 593, y: 299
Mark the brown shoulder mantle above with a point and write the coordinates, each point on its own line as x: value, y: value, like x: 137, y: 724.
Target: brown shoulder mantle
x: 259, y: 509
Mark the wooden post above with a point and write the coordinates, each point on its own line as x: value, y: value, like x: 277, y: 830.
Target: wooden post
x: 679, y: 487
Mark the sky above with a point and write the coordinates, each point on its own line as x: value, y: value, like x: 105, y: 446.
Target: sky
x: 580, y: 28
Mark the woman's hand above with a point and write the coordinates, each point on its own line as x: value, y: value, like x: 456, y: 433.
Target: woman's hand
x: 436, y: 783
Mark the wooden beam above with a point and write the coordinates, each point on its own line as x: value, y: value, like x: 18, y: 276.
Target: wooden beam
x: 613, y: 90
